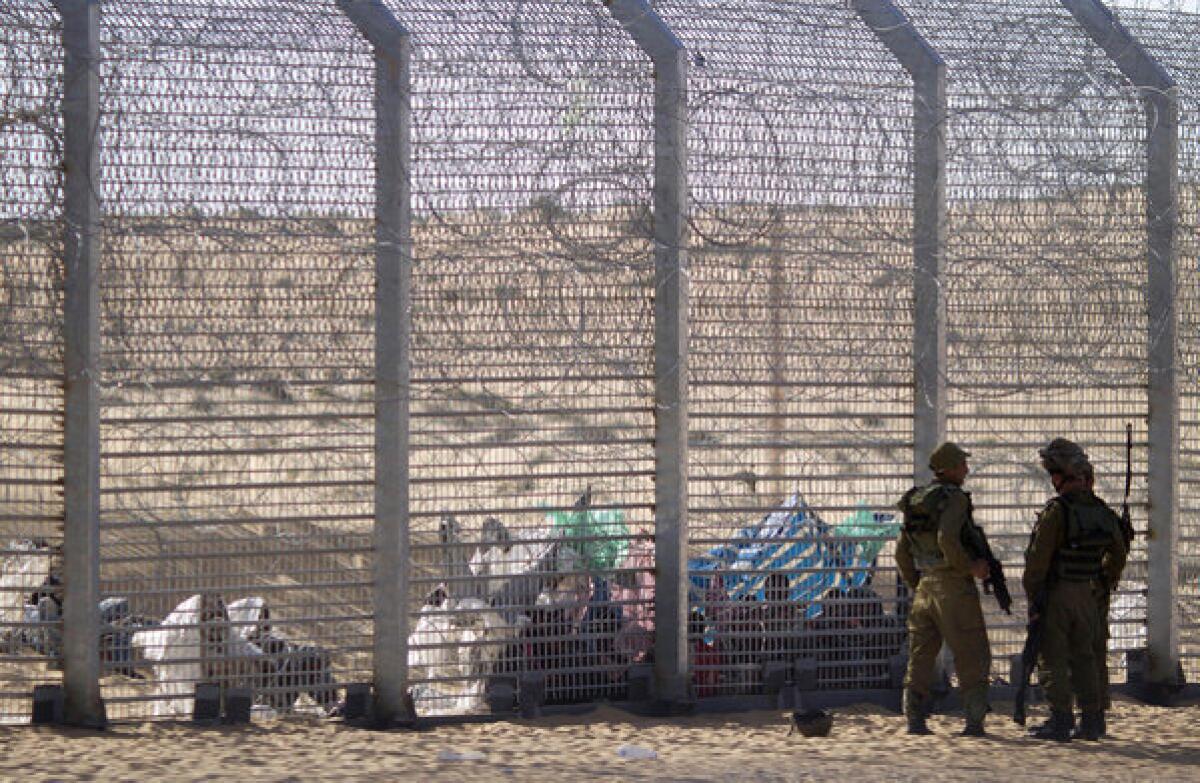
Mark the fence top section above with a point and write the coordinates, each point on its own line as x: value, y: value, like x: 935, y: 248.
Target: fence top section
x: 819, y: 44
x: 1008, y: 43
x: 646, y: 27
x: 1170, y: 38
x: 375, y: 22
x: 252, y: 25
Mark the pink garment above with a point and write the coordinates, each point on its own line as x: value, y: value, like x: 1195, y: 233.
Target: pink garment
x: 636, y: 635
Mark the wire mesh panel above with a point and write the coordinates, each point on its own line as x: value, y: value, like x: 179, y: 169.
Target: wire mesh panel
x: 1046, y: 260
x: 1171, y: 39
x: 532, y: 359
x: 237, y: 310
x: 31, y: 352
x: 801, y: 340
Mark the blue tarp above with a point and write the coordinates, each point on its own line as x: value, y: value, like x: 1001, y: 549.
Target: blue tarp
x: 814, y: 556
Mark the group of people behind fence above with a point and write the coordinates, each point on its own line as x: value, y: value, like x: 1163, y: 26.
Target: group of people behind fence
x: 847, y: 633
x: 202, y: 639
x: 205, y: 640
x: 1073, y: 563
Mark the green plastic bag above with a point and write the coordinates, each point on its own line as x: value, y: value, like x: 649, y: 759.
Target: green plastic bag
x: 866, y: 524
x: 585, y: 527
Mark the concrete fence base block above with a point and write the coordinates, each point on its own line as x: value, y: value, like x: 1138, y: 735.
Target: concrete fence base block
x: 806, y: 674
x: 640, y: 681
x: 775, y: 675
x: 238, y: 702
x: 206, y: 706
x: 47, y: 704
x: 358, y: 701
x: 381, y: 717
x: 501, y: 694
x: 531, y: 694
x: 1137, y: 673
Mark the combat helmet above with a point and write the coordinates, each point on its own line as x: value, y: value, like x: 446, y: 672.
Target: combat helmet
x: 1063, y: 456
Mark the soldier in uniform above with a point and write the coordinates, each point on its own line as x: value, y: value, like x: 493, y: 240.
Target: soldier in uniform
x: 936, y: 562
x: 1104, y: 599
x: 1075, y: 553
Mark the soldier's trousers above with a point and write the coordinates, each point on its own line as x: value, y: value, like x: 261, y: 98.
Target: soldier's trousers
x: 946, y: 608
x: 1100, y: 649
x: 1068, y: 656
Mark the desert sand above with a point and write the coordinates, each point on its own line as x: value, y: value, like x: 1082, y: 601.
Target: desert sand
x: 1147, y: 743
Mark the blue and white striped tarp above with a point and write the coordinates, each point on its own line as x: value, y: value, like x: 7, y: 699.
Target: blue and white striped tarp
x: 794, y: 541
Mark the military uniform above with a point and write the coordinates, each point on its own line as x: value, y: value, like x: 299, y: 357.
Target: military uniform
x: 935, y: 563
x: 1076, y: 552
x: 1100, y: 645
x: 1104, y: 592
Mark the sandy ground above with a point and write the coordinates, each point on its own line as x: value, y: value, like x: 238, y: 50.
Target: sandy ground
x: 1148, y: 744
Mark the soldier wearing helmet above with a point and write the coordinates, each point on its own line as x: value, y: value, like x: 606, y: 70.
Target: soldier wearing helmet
x: 1075, y: 553
x: 936, y: 562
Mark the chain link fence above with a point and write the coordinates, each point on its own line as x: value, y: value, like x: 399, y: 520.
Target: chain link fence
x: 238, y: 329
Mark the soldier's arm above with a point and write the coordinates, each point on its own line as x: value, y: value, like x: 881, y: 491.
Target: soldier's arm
x: 1114, y: 561
x: 1040, y: 554
x: 904, y: 561
x: 951, y: 519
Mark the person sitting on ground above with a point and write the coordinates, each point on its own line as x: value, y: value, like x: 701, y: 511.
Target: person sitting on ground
x: 285, y: 670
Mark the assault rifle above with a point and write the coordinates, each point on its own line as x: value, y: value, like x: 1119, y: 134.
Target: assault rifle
x: 1034, y: 630
x: 995, y: 584
x: 1127, y: 523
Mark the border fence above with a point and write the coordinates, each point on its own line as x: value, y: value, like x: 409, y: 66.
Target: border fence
x: 499, y: 355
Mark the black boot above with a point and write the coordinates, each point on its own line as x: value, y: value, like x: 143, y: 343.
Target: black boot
x: 1058, y: 728
x: 917, y: 709
x: 1090, y: 728
x: 974, y: 728
x: 916, y: 724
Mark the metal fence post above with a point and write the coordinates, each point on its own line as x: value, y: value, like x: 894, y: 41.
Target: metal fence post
x: 393, y: 322
x: 81, y: 334
x: 928, y: 70
x: 1160, y: 97
x: 670, y: 341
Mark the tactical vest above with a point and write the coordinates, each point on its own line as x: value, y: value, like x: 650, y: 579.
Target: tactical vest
x: 1091, y: 528
x: 921, y: 507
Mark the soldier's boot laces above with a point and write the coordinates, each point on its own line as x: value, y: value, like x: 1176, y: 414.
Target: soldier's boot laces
x: 1091, y: 727
x: 917, y: 725
x: 1058, y: 728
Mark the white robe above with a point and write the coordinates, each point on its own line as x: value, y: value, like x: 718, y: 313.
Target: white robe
x: 174, y: 650
x: 20, y: 575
